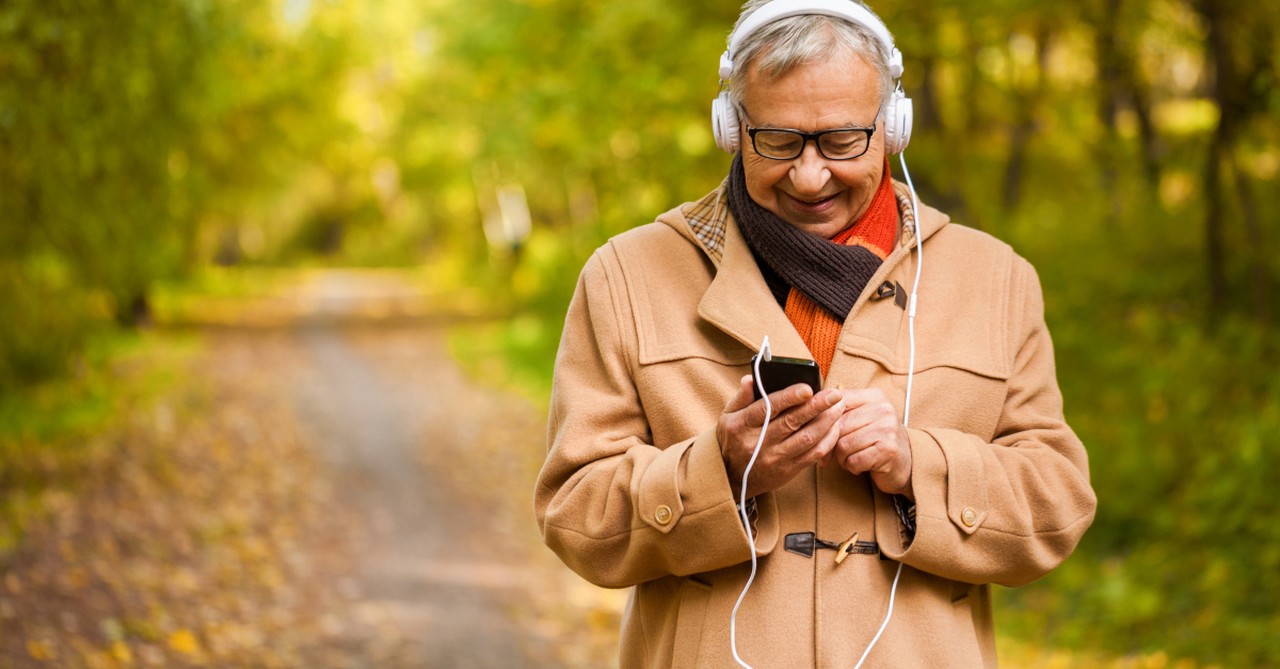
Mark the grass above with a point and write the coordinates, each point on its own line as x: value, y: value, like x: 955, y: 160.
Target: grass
x: 47, y: 432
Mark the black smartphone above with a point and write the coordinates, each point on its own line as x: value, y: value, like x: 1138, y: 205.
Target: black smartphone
x: 780, y: 373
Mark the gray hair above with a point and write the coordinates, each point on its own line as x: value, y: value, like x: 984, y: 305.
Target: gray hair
x: 783, y: 45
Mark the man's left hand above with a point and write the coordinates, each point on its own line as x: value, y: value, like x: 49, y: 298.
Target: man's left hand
x: 873, y: 440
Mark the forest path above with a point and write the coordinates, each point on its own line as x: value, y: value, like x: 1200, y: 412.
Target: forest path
x: 320, y: 486
x: 436, y: 475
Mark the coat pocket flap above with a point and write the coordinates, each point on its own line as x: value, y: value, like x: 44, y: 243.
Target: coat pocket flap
x: 978, y: 360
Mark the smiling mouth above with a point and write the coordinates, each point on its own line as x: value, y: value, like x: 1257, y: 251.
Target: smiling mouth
x: 814, y: 203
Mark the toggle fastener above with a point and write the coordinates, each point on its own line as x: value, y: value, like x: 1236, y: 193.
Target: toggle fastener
x: 806, y: 543
x: 846, y: 548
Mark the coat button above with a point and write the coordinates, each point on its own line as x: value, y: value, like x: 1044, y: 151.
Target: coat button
x: 663, y: 515
x: 969, y: 517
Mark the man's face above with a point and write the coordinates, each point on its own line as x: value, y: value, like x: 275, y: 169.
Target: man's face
x: 814, y: 194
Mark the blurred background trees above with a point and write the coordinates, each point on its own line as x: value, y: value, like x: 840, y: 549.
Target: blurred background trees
x: 1129, y: 148
x: 135, y: 143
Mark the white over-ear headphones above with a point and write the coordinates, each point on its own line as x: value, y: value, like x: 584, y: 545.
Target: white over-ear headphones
x: 898, y: 111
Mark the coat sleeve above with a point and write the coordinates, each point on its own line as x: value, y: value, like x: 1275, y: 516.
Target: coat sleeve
x: 614, y: 507
x: 1008, y: 511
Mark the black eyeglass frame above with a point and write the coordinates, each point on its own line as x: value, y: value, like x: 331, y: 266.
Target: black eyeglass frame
x: 817, y: 138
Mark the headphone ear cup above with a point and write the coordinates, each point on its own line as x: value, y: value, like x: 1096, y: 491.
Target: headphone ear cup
x: 897, y: 126
x: 724, y: 122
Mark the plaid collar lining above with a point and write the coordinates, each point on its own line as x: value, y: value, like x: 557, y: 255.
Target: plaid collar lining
x: 708, y: 219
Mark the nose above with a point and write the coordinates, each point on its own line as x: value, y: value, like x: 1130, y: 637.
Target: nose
x: 809, y: 173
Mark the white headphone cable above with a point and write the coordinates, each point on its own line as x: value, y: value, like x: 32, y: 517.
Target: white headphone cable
x: 765, y: 353
x: 915, y: 287
x: 911, y: 372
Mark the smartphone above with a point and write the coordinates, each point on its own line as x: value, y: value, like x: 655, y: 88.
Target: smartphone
x: 780, y: 373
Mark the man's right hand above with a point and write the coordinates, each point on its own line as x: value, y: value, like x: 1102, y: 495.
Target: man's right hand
x: 802, y: 431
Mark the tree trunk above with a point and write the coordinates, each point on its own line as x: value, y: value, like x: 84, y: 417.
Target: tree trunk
x: 1215, y: 261
x: 1120, y: 86
x: 1152, y: 145
x: 1109, y: 67
x: 926, y: 99
x: 135, y: 311
x: 1024, y: 127
x: 1220, y: 63
x: 1259, y: 269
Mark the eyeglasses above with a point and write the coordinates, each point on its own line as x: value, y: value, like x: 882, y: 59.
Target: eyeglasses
x: 833, y: 144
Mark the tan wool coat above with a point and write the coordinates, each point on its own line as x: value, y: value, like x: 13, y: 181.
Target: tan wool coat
x: 634, y: 491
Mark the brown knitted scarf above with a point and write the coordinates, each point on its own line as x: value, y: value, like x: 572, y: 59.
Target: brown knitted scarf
x: 822, y: 278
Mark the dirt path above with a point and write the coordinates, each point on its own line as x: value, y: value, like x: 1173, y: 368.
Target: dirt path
x: 437, y: 473
x: 433, y: 561
x: 327, y: 489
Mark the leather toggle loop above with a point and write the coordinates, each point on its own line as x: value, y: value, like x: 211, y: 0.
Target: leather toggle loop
x: 890, y: 289
x: 805, y: 543
x: 883, y: 291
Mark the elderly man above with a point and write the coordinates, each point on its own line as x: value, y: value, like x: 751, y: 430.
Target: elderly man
x: 861, y: 521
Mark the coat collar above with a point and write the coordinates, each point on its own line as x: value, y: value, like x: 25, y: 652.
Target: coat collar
x: 738, y: 300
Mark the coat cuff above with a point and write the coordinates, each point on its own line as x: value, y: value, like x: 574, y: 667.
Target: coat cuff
x: 688, y: 483
x: 948, y: 481
x: 928, y: 487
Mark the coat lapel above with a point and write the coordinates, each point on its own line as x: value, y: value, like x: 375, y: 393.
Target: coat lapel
x: 739, y: 303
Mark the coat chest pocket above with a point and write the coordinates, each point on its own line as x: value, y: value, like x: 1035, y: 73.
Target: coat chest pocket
x: 684, y: 392
x: 962, y: 387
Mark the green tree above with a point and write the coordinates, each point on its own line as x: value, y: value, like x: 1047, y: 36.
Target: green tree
x: 126, y: 132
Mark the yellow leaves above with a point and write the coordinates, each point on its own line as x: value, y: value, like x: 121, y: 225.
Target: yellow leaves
x: 1017, y: 653
x: 1186, y: 116
x: 1177, y: 188
x: 41, y: 651
x: 115, y: 655
x: 177, y: 543
x: 120, y: 652
x: 184, y: 642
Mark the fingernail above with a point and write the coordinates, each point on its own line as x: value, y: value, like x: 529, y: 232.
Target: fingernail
x: 833, y: 399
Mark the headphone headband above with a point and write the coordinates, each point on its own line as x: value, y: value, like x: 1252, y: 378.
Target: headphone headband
x: 781, y: 9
